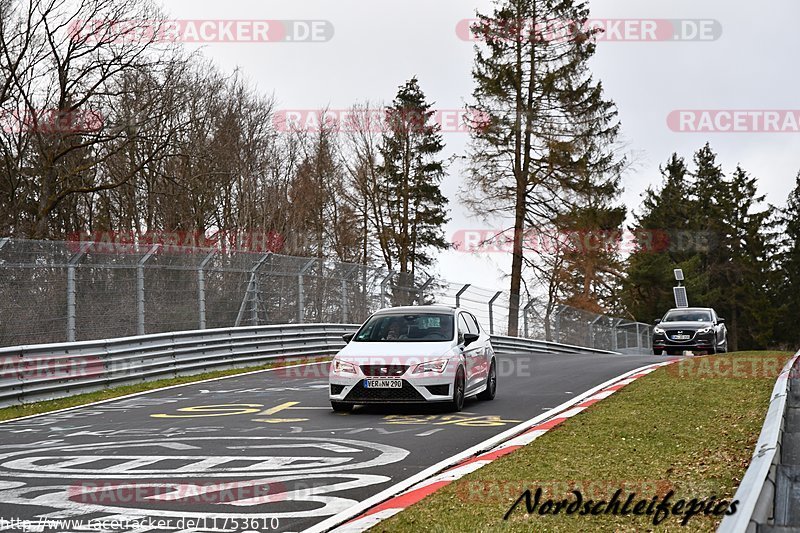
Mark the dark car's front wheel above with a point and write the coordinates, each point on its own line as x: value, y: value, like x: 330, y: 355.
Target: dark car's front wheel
x: 714, y: 346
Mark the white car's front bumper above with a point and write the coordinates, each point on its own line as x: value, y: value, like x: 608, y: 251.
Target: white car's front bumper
x: 422, y: 387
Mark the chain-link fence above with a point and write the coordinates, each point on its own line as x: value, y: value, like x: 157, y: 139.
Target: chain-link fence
x: 66, y: 291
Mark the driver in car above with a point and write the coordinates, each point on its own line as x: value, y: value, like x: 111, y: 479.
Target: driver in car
x: 395, y: 331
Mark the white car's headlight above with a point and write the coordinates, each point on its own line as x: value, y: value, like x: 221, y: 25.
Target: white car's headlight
x: 342, y: 367
x: 659, y: 331
x: 432, y: 366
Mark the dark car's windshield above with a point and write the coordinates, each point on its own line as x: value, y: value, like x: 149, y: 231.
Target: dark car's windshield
x: 688, y: 316
x: 404, y: 327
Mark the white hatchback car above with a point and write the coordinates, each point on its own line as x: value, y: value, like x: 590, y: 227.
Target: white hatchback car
x: 414, y: 354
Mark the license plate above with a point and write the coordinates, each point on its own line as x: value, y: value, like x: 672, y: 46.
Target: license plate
x: 681, y: 337
x: 383, y: 383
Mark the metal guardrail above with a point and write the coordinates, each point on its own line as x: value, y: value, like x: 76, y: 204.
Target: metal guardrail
x: 756, y: 492
x: 511, y: 345
x: 49, y: 371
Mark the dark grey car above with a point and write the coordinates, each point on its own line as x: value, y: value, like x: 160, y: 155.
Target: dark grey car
x: 695, y: 329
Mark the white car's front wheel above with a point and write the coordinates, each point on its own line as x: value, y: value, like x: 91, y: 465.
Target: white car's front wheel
x: 459, y: 386
x: 491, y: 384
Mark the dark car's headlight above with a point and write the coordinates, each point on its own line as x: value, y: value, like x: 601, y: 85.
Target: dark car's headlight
x: 659, y: 331
x: 705, y: 331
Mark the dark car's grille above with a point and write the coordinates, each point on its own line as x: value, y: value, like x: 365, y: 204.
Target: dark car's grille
x: 336, y: 389
x: 672, y: 332
x: 383, y: 370
x: 439, y: 390
x: 407, y: 394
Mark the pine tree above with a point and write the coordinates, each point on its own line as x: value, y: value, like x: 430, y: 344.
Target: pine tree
x: 541, y: 124
x: 787, y: 285
x: 413, y: 208
x: 726, y: 257
x: 665, y: 212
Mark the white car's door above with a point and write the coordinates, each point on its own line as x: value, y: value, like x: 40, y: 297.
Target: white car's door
x: 481, y: 346
x: 472, y: 353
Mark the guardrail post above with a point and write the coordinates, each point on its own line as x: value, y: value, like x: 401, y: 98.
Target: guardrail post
x: 71, y: 291
x: 459, y: 293
x: 491, y: 312
x: 140, y: 288
x: 383, y: 287
x: 301, y: 304
x: 201, y: 289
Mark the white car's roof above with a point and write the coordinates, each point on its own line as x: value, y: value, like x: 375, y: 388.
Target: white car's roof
x: 418, y: 309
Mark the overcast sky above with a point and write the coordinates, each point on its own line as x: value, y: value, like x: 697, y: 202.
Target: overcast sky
x: 377, y: 45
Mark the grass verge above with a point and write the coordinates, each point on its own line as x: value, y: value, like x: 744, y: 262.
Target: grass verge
x: 690, y: 428
x: 17, y: 411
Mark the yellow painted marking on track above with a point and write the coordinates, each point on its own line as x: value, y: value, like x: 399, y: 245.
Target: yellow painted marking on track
x: 278, y: 408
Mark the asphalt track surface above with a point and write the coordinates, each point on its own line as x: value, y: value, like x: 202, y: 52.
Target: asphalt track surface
x: 258, y: 452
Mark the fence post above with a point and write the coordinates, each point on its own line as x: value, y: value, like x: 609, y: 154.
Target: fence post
x: 301, y: 304
x: 383, y: 287
x: 344, y: 293
x: 491, y: 312
x: 252, y: 287
x: 614, y: 333
x: 525, y: 317
x: 591, y: 331
x: 459, y: 293
x: 201, y: 288
x: 140, y: 288
x: 558, y: 323
x: 421, y: 290
x: 71, y: 291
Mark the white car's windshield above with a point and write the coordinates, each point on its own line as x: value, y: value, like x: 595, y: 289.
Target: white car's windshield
x: 404, y: 327
x: 688, y: 316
